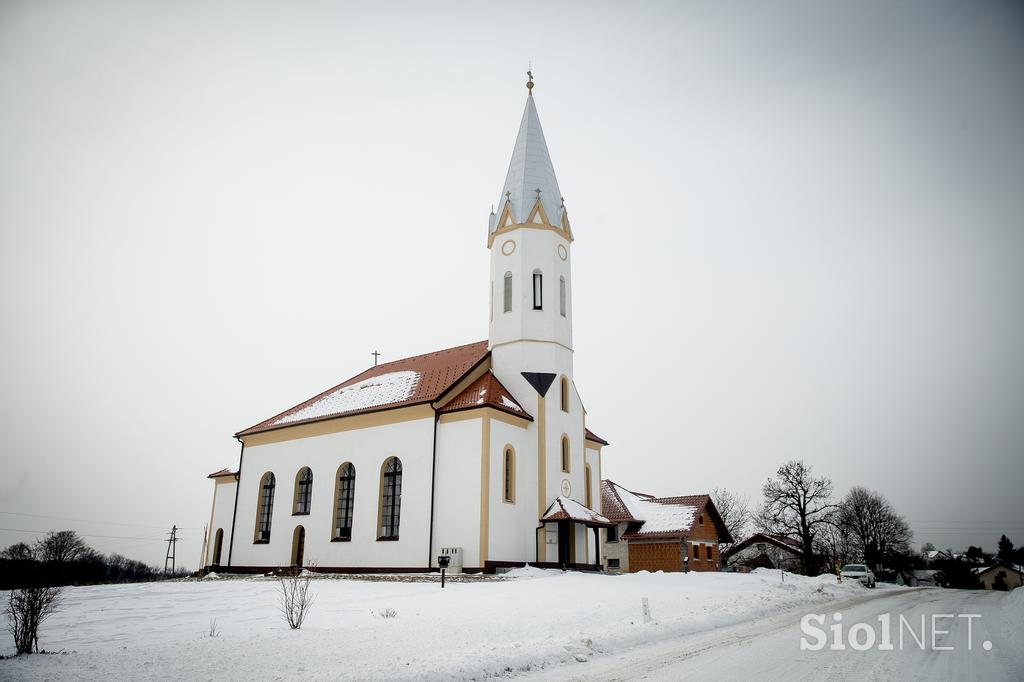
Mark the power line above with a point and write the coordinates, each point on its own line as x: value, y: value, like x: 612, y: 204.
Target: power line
x: 87, y: 535
x: 69, y: 518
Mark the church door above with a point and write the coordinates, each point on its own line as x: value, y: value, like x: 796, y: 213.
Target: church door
x: 218, y: 543
x: 565, y: 544
x: 298, y: 545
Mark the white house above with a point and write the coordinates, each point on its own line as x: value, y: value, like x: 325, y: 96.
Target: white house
x: 480, y: 451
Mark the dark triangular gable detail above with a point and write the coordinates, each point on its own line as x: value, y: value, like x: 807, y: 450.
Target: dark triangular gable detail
x: 541, y: 381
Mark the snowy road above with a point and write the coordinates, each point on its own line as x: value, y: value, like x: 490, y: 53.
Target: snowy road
x: 770, y: 647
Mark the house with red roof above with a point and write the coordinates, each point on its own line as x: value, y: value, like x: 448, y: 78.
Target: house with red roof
x: 651, y: 533
x: 480, y: 452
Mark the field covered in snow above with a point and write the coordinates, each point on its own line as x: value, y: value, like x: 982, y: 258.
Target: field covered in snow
x: 528, y: 620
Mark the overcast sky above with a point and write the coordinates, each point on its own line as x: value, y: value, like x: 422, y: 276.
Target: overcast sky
x: 799, y: 235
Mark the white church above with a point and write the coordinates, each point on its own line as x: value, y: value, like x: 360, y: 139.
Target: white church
x: 480, y: 452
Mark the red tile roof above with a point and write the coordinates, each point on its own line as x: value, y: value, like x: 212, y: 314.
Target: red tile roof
x: 437, y: 372
x: 486, y: 391
x: 222, y: 473
x: 567, y: 509
x: 612, y: 505
x: 594, y: 437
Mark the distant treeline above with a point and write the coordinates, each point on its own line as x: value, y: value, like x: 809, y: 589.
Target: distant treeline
x: 63, y: 558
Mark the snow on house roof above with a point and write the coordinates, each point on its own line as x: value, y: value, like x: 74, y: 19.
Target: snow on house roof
x: 565, y: 508
x: 657, y: 516
x: 978, y: 570
x: 409, y: 381
x: 782, y: 542
x: 486, y: 391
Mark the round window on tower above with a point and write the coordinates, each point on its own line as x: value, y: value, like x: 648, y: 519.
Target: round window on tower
x: 562, y: 253
x: 508, y: 247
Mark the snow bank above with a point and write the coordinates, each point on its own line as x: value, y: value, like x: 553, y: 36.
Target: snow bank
x: 474, y: 629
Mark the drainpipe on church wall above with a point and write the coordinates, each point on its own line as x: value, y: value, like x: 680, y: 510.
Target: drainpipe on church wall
x: 433, y: 471
x: 234, y: 512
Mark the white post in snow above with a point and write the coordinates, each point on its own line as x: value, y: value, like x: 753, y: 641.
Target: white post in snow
x: 646, y: 609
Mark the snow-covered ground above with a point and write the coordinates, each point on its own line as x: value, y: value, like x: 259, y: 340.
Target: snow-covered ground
x: 529, y: 620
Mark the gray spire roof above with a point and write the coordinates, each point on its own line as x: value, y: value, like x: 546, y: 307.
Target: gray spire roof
x: 530, y: 170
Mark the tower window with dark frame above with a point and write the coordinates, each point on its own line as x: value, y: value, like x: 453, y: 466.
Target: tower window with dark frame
x: 538, y: 291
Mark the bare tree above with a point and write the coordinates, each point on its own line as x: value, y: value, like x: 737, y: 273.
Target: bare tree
x: 796, y: 505
x: 295, y: 598
x: 63, y: 547
x: 876, y: 529
x: 26, y: 610
x: 19, y: 551
x: 735, y: 512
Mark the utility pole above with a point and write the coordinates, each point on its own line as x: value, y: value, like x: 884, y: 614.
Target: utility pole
x: 171, y: 541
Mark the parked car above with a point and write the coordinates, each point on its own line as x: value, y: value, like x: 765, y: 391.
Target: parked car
x: 859, y: 572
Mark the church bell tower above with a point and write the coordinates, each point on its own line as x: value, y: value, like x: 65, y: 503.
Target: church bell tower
x: 531, y: 249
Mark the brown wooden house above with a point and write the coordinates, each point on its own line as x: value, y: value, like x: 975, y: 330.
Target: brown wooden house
x: 660, y: 533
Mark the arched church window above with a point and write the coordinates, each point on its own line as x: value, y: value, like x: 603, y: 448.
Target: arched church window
x: 390, y: 498
x: 303, y: 491
x: 586, y: 487
x: 265, y: 507
x: 538, y: 290
x: 508, y: 292
x: 561, y: 295
x: 508, y: 488
x: 344, y: 502
x: 565, y: 454
x: 565, y: 394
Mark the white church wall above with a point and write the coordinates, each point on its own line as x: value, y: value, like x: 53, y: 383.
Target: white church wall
x: 457, y: 493
x: 366, y: 449
x: 223, y: 508
x: 512, y: 526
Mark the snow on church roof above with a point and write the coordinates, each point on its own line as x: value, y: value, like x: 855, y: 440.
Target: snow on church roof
x: 410, y: 381
x: 529, y: 170
x: 486, y: 391
x: 384, y: 389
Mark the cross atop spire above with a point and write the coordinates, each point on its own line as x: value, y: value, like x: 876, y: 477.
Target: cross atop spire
x: 531, y: 175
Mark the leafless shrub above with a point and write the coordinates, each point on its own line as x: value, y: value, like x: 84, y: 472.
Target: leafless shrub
x: 27, y: 608
x: 213, y: 628
x: 295, y: 598
x: 387, y: 613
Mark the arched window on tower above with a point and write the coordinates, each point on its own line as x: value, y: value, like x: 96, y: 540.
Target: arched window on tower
x: 344, y: 502
x: 561, y: 295
x: 508, y: 292
x: 265, y: 507
x: 565, y: 394
x: 303, y: 491
x: 508, y: 488
x: 390, y: 498
x: 565, y: 454
x: 538, y: 290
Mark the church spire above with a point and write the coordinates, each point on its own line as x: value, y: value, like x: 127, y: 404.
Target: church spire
x: 531, y: 175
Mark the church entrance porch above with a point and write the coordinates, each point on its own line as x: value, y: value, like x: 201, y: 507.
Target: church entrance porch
x: 571, y: 550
